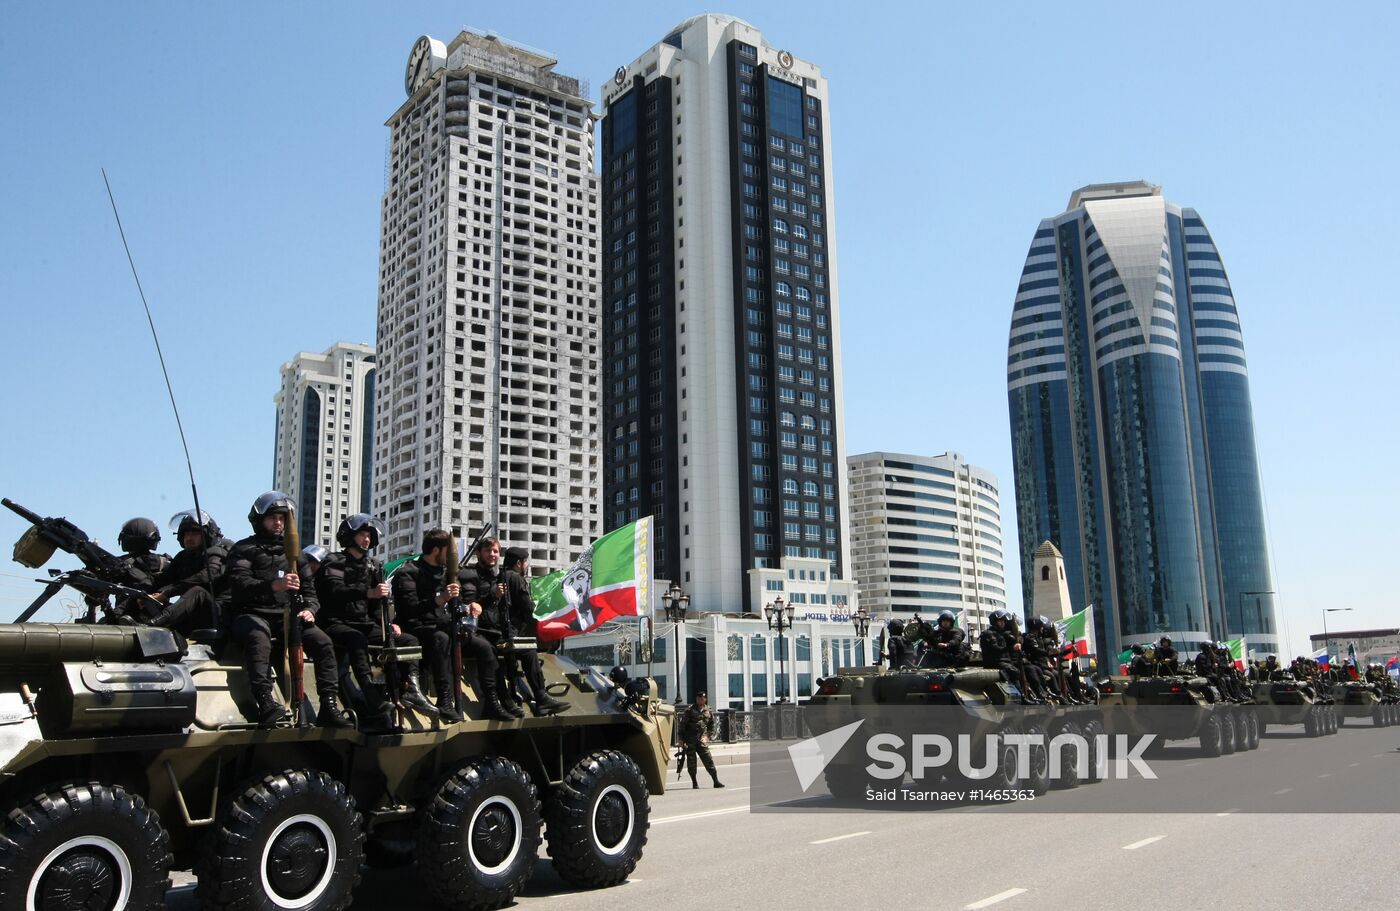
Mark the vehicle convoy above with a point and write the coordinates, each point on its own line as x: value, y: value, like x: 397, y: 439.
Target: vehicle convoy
x: 1179, y: 707
x: 1367, y: 700
x: 126, y: 752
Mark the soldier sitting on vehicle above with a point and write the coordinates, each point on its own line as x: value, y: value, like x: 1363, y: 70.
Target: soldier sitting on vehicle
x: 193, y: 586
x: 1036, y: 655
x: 314, y: 555
x: 1001, y: 650
x: 947, y: 644
x: 140, y: 565
x: 896, y: 646
x: 516, y: 575
x: 484, y: 592
x: 422, y: 598
x: 1167, y: 663
x: 1140, y: 666
x: 1272, y: 670
x: 263, y: 586
x: 697, y: 725
x: 356, y: 614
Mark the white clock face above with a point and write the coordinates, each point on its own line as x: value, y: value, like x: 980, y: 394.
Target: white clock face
x: 427, y: 55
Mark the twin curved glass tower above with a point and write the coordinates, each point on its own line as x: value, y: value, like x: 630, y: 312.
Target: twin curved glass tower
x: 1131, y: 426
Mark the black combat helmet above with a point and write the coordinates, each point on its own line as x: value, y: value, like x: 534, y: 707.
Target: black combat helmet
x: 317, y: 552
x: 353, y: 525
x: 949, y: 616
x: 1034, y: 623
x: 618, y: 675
x: 1165, y: 640
x: 1208, y: 646
x: 202, y: 522
x: 138, y: 536
x: 270, y: 502
x: 1045, y: 621
x: 896, y: 627
x: 1137, y: 649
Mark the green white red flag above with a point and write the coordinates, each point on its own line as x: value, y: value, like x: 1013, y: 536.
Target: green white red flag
x: 612, y: 578
x: 1078, y: 630
x: 1236, y: 647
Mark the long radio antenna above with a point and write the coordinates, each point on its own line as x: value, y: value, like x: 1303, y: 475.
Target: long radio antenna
x: 170, y: 390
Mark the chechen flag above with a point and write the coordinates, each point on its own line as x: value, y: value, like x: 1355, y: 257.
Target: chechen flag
x: 612, y: 578
x: 1236, y: 647
x: 1076, y: 630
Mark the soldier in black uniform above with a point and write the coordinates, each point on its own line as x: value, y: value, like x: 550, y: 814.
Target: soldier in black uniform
x: 484, y: 591
x: 1036, y: 657
x: 140, y: 566
x: 516, y: 575
x: 192, y: 587
x: 697, y: 725
x: 262, y: 587
x: 896, y: 646
x: 947, y: 646
x: 356, y: 613
x: 1166, y: 657
x: 1001, y: 649
x: 1139, y: 666
x: 423, y: 601
x: 314, y: 555
x: 1272, y: 670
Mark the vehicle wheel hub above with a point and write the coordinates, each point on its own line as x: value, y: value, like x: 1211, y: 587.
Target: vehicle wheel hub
x: 613, y: 817
x: 495, y: 835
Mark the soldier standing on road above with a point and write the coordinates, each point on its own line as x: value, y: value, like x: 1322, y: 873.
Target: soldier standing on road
x: 422, y: 596
x: 355, y: 611
x: 261, y: 585
x: 697, y: 724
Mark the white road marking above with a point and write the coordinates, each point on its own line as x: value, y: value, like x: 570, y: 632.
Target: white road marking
x: 1353, y: 765
x: 1190, y: 764
x: 999, y: 897
x: 827, y: 841
x: 1229, y: 811
x: 1144, y: 843
x: 1325, y: 775
x: 1283, y: 790
x: 685, y: 816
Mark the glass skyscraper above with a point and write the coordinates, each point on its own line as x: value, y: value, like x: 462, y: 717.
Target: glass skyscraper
x: 1131, y: 426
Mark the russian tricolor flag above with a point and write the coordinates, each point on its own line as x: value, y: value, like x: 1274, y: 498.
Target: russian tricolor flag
x: 1323, y: 659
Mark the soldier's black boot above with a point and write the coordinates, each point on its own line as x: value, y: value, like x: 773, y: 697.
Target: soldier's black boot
x: 331, y: 715
x: 447, y: 709
x: 270, y: 712
x: 413, y: 693
x: 491, y: 703
x: 548, y: 705
x: 378, y: 716
x: 715, y: 779
x: 509, y: 704
x: 693, y: 783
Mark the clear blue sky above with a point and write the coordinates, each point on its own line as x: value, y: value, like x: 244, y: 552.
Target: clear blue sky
x: 246, y: 146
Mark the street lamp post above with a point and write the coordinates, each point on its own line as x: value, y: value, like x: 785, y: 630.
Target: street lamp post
x: 1326, y: 641
x: 677, y: 602
x: 861, y: 621
x: 1242, y: 594
x: 779, y: 617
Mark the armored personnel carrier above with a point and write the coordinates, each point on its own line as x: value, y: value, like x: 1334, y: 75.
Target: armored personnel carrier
x: 971, y: 701
x: 126, y: 753
x: 1289, y: 701
x: 1178, y: 707
x: 1364, y: 700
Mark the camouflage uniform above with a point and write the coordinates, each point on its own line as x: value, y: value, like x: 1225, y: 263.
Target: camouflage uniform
x: 697, y: 725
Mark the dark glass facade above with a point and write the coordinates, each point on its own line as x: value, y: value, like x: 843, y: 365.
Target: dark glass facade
x: 1131, y: 426
x: 307, y: 513
x: 785, y: 398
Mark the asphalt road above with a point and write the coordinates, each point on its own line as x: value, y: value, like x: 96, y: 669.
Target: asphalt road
x: 707, y: 849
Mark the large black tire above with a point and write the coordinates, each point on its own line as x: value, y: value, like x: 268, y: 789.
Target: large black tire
x: 1311, y: 725
x: 1332, y: 725
x: 1241, y: 730
x: 291, y: 840
x: 1069, y: 756
x: 1210, y: 736
x: 1251, y: 719
x: 1004, y: 776
x: 847, y: 783
x: 1092, y: 729
x: 1227, y: 734
x: 480, y: 835
x: 84, y: 846
x: 596, y: 821
x: 1039, y: 778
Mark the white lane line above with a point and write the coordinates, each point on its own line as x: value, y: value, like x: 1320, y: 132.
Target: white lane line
x: 1190, y: 764
x: 1325, y: 775
x: 827, y: 841
x: 1229, y: 811
x: 992, y: 900
x: 1283, y: 790
x: 1353, y: 765
x: 685, y: 816
x: 1144, y: 843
